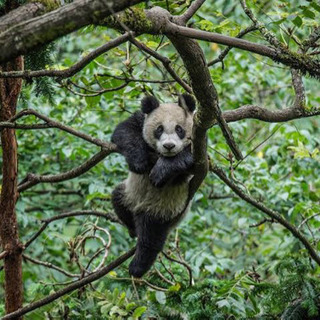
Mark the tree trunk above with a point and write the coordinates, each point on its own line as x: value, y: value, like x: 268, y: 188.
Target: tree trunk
x: 9, y: 92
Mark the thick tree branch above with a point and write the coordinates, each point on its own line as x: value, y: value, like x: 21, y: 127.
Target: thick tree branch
x: 271, y: 213
x: 21, y: 14
x: 74, y: 286
x: 66, y: 73
x: 263, y: 114
x: 159, y: 21
x: 30, y: 34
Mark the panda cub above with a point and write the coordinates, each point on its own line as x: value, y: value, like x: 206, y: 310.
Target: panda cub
x: 156, y: 143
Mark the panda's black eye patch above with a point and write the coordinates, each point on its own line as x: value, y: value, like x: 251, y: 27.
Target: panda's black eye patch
x: 158, y: 132
x: 180, y: 132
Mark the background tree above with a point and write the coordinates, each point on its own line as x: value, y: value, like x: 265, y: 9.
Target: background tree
x: 249, y: 246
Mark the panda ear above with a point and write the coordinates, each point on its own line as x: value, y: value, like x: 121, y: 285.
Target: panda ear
x: 187, y: 101
x: 148, y: 104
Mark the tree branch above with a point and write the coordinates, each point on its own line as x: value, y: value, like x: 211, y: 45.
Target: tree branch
x: 166, y: 62
x: 224, y: 53
x: 66, y: 73
x: 30, y: 34
x: 55, y: 124
x: 74, y: 286
x: 33, y: 179
x: 51, y: 266
x: 21, y: 14
x: 269, y: 212
x: 184, y: 18
x: 77, y: 213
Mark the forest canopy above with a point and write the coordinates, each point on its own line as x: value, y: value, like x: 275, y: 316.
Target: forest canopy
x: 70, y: 71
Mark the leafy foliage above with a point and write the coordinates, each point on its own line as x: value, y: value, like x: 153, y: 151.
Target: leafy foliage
x: 239, y: 272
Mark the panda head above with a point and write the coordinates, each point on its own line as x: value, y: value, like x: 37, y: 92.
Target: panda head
x: 168, y: 127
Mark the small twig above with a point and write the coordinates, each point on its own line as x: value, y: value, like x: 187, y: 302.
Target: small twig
x: 258, y: 146
x: 261, y: 222
x: 165, y: 62
x: 128, y: 79
x: 163, y: 277
x: 142, y: 281
x: 307, y: 219
x: 46, y: 222
x: 97, y: 93
x: 51, y: 266
x: 182, y: 263
x: 225, y: 52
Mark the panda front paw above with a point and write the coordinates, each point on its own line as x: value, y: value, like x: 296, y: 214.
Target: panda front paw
x: 137, y: 165
x: 157, y: 177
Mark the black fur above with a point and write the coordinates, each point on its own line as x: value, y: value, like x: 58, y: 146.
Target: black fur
x: 129, y: 140
x: 169, y: 169
x: 187, y: 100
x: 152, y: 234
x: 123, y: 213
x: 151, y: 231
x: 148, y: 104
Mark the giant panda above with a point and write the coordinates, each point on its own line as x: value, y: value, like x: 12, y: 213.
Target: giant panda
x: 156, y: 143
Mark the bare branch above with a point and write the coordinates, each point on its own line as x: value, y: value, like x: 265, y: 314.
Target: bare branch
x: 268, y: 35
x: 55, y: 124
x: 97, y: 93
x: 128, y: 79
x: 74, y: 286
x: 263, y: 221
x: 51, y: 266
x: 269, y: 212
x: 33, y: 179
x: 66, y: 73
x: 65, y: 215
x: 224, y: 53
x: 165, y: 61
x: 191, y: 11
x: 183, y: 264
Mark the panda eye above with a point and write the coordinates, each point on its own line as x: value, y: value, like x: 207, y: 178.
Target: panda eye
x: 158, y: 132
x: 180, y: 132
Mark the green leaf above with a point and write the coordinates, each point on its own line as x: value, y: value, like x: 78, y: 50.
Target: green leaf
x: 161, y: 297
x: 139, y: 312
x: 297, y: 21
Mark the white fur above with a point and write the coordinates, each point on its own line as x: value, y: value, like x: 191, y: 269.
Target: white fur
x: 168, y: 115
x: 166, y: 202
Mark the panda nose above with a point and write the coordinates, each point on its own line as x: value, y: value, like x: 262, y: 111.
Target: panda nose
x: 169, y: 146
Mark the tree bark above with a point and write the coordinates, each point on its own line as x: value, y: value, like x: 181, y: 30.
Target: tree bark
x: 9, y: 92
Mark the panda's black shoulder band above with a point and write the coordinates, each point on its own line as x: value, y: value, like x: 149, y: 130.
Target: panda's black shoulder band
x: 148, y: 104
x: 187, y: 100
